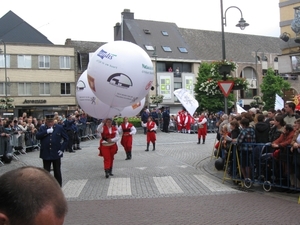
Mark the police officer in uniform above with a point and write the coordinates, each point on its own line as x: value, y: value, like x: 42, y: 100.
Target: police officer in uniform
x: 166, y: 119
x: 54, y: 140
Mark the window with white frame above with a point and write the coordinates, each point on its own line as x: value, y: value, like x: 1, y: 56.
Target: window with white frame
x: 44, y: 88
x: 65, y: 88
x: 177, y: 85
x: 24, y: 61
x: 2, y: 89
x: 24, y: 88
x: 64, y: 62
x: 2, y: 61
x: 44, y: 61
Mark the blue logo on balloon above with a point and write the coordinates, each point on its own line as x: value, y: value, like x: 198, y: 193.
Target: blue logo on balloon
x: 103, y: 54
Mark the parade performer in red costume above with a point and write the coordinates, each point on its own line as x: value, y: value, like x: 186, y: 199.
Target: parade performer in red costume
x: 108, y: 144
x: 128, y: 130
x: 151, y: 132
x: 187, y: 123
x: 202, y: 128
x: 179, y: 121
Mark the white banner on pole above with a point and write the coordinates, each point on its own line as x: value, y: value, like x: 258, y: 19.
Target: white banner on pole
x: 279, y: 103
x: 187, y: 100
x: 239, y: 109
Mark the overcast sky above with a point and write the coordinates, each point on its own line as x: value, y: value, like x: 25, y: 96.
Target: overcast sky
x: 93, y: 20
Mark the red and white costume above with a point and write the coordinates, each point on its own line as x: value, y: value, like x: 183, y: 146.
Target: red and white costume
x: 202, y: 126
x: 187, y: 123
x: 128, y: 130
x: 108, y: 149
x: 151, y: 128
x: 179, y: 121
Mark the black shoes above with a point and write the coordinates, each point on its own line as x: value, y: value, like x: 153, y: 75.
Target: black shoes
x: 107, y: 173
x: 147, y: 147
x: 110, y: 172
x: 128, y: 155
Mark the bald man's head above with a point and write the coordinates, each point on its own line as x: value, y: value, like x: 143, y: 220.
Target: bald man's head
x: 26, y: 191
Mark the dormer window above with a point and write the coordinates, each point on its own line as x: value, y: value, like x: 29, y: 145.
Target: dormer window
x: 183, y: 49
x: 149, y: 47
x: 165, y: 33
x: 146, y: 31
x: 166, y: 48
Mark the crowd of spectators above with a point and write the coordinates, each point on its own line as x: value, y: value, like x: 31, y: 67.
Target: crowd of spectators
x: 261, y: 137
x: 17, y: 135
x: 251, y: 130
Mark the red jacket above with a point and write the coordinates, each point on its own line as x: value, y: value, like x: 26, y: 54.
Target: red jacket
x: 106, y: 135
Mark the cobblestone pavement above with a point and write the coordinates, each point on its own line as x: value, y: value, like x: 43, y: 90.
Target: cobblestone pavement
x: 176, y: 184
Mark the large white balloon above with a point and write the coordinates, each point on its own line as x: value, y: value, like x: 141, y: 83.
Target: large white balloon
x: 133, y: 110
x: 120, y: 73
x: 90, y: 103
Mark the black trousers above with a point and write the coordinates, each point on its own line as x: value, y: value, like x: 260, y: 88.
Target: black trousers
x: 56, y: 168
x: 71, y: 140
x: 76, y: 139
x: 166, y: 125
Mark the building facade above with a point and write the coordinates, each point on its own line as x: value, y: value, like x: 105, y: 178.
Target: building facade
x: 172, y: 48
x: 40, y: 79
x: 289, y: 60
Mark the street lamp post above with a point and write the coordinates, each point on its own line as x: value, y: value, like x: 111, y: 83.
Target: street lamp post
x: 156, y: 84
x: 256, y: 61
x: 5, y: 68
x: 242, y: 25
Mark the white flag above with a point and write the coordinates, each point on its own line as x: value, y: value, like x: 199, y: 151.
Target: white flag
x: 239, y: 109
x: 187, y: 100
x: 279, y: 103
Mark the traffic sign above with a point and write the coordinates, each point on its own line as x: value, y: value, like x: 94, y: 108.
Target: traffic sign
x: 226, y: 87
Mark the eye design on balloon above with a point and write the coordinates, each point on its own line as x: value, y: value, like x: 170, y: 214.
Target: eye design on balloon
x: 120, y: 80
x: 80, y: 85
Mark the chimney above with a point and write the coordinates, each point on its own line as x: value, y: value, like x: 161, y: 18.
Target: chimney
x: 127, y: 14
x: 117, y: 32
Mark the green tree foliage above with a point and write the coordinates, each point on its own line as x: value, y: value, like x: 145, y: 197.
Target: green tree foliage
x: 212, y: 103
x: 272, y: 85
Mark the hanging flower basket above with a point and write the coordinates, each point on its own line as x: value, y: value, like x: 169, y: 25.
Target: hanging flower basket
x: 210, y: 87
x: 221, y: 67
x: 156, y: 99
x: 225, y: 69
x: 237, y: 87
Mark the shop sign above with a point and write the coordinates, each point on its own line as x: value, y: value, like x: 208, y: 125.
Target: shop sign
x: 37, y: 101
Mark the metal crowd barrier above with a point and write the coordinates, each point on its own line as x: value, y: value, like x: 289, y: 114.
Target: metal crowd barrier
x: 27, y: 141
x: 31, y: 142
x: 256, y: 163
x: 7, y: 149
x: 211, y: 126
x: 87, y: 131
